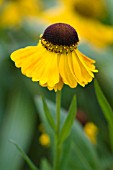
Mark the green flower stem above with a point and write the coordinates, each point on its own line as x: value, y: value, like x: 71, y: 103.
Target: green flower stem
x: 57, y: 154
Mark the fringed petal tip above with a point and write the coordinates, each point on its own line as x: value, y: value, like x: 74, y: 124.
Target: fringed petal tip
x: 55, y: 87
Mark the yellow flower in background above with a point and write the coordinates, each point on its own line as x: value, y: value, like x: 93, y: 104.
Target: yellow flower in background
x: 12, y: 12
x: 44, y: 140
x: 91, y: 131
x: 10, y: 15
x: 56, y: 60
x: 87, y: 8
x: 85, y: 17
x: 1, y: 1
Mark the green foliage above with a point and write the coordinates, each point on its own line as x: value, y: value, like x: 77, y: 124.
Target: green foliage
x: 45, y: 165
x: 19, y: 123
x: 48, y: 115
x: 77, y: 139
x: 25, y: 157
x: 107, y: 110
x: 65, y: 131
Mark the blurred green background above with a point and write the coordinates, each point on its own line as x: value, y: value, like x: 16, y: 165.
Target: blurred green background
x: 21, y: 114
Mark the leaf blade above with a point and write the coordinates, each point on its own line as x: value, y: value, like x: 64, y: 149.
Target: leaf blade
x: 71, y: 160
x: 68, y: 121
x: 106, y: 108
x: 48, y: 115
x: 25, y: 157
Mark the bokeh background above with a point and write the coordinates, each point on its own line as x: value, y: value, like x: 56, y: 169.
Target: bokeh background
x: 21, y: 114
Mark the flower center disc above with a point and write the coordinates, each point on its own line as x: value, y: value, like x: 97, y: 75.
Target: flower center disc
x: 61, y: 34
x: 60, y: 38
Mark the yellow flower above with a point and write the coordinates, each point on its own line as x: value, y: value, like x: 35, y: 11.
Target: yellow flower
x: 84, y: 16
x: 1, y: 1
x: 13, y: 12
x: 91, y: 131
x: 44, y: 140
x: 13, y: 18
x: 87, y: 8
x: 56, y: 60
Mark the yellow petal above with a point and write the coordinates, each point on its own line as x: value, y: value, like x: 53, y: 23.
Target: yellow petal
x: 39, y: 64
x: 87, y: 62
x: 75, y: 64
x: 84, y: 77
x: 50, y: 74
x: 57, y: 86
x: 65, y: 72
x: 23, y: 53
x: 28, y: 59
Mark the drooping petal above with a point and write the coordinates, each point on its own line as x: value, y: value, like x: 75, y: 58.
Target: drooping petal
x: 28, y: 59
x: 75, y: 64
x: 65, y: 71
x: 39, y: 64
x: 22, y: 54
x: 57, y: 86
x: 87, y: 62
x: 50, y: 74
x: 82, y: 72
x: 53, y: 74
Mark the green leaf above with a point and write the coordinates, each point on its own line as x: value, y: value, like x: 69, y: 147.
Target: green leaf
x: 25, y: 157
x: 72, y: 159
x: 45, y: 165
x: 85, y: 163
x: 48, y: 115
x: 65, y: 131
x: 19, y: 123
x: 106, y: 108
